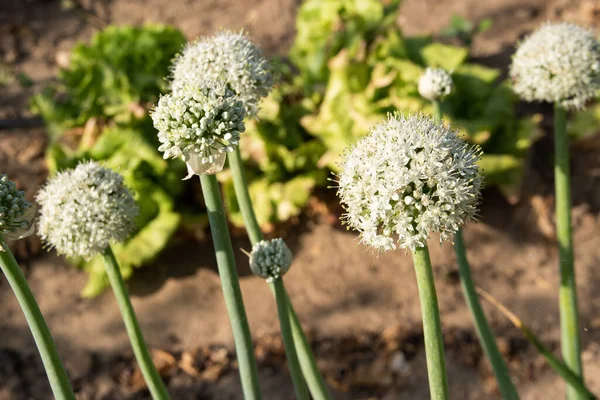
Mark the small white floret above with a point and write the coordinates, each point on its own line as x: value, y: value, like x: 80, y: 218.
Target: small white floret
x: 84, y: 210
x: 231, y: 57
x: 558, y: 63
x: 407, y: 178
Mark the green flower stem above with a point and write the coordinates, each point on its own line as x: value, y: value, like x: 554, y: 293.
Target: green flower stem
x: 240, y: 185
x: 231, y: 287
x: 288, y: 340
x: 432, y: 327
x: 560, y: 368
x: 153, y: 380
x: 569, y: 320
x: 59, y: 382
x: 437, y: 110
x: 314, y: 380
x: 484, y: 332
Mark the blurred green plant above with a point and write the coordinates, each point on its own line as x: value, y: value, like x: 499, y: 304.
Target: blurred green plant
x: 355, y: 66
x: 465, y: 30
x: 121, y: 71
x: 99, y: 110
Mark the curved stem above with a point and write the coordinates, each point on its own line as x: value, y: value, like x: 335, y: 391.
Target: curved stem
x: 59, y: 382
x: 231, y: 287
x: 559, y: 367
x: 288, y: 340
x: 314, y: 379
x: 484, y: 332
x: 151, y: 376
x: 569, y: 324
x: 432, y: 327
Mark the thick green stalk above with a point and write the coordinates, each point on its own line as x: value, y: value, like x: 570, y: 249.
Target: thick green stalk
x: 151, y: 376
x: 484, y: 332
x: 231, y: 287
x: 314, y: 380
x: 569, y: 320
x: 288, y: 340
x: 59, y: 382
x: 559, y: 367
x: 432, y: 327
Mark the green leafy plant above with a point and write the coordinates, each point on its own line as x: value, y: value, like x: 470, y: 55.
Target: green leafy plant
x: 112, y: 78
x: 355, y: 66
x: 99, y: 111
x: 464, y: 30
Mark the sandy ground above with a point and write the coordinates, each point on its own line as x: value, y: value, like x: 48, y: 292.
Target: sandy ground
x: 362, y: 311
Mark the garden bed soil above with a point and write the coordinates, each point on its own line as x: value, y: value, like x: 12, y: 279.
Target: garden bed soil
x: 361, y: 311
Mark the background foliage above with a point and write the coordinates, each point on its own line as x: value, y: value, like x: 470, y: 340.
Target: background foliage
x: 349, y: 66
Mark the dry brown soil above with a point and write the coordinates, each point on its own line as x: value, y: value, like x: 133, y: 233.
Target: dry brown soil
x: 362, y: 311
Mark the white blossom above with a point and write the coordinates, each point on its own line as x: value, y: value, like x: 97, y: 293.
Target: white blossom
x: 199, y: 121
x: 84, y: 209
x: 435, y: 84
x: 558, y: 63
x: 270, y: 259
x: 16, y: 213
x: 407, y: 178
x: 231, y: 57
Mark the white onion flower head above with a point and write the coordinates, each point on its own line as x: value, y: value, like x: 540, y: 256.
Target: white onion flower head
x: 16, y: 213
x: 85, y: 209
x: 200, y: 121
x: 435, y: 84
x: 558, y: 63
x: 232, y: 57
x: 407, y: 178
x: 270, y: 259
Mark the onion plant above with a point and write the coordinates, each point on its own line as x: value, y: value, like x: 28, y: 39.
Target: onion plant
x: 406, y: 179
x: 560, y: 64
x: 16, y: 222
x: 233, y: 58
x: 270, y: 260
x: 434, y: 85
x: 200, y: 121
x: 83, y: 211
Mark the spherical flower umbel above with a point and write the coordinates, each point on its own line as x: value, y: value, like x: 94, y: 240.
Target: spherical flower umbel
x: 16, y: 213
x: 199, y: 121
x: 84, y: 210
x: 270, y: 259
x: 558, y: 63
x: 435, y: 84
x: 407, y: 178
x: 231, y: 57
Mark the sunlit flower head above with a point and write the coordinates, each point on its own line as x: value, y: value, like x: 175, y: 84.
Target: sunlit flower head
x: 270, y: 259
x: 231, y: 57
x: 407, y: 178
x: 558, y: 63
x: 84, y: 210
x: 435, y: 84
x: 16, y: 213
x: 199, y: 121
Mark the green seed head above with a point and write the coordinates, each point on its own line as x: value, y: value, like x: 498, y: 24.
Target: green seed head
x: 16, y: 213
x: 270, y: 259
